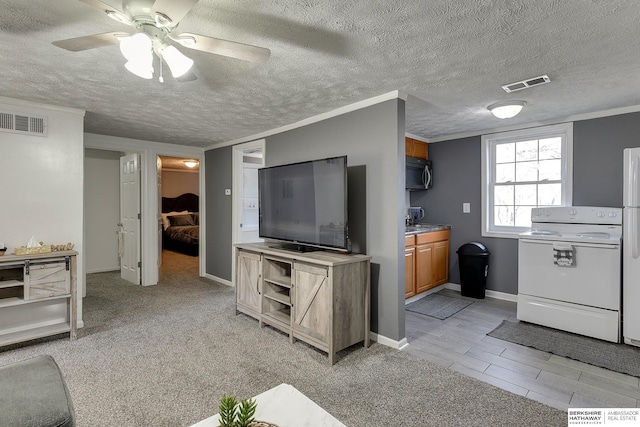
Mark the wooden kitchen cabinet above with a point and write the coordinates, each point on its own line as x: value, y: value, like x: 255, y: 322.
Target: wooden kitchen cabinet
x: 410, y: 268
x: 415, y: 148
x: 426, y: 261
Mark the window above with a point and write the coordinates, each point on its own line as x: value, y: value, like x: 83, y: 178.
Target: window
x: 521, y: 170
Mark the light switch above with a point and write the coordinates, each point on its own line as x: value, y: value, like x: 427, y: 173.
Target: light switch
x: 466, y: 208
x: 227, y: 191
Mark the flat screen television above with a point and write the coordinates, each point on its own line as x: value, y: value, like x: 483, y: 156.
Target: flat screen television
x: 305, y: 203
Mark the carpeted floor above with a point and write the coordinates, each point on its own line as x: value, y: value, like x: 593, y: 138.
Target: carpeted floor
x: 164, y: 355
x: 616, y: 357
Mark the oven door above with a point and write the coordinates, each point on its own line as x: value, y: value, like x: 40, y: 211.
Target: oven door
x: 593, y: 278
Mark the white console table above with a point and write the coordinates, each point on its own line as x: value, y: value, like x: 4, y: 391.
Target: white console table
x: 285, y: 406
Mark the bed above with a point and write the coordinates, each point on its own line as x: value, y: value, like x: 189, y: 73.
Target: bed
x: 181, y: 224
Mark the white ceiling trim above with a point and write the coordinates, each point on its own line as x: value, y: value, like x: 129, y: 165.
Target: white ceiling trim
x: 27, y: 106
x: 396, y: 94
x: 116, y: 143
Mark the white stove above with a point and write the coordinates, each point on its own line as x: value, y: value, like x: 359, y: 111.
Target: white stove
x: 569, y: 270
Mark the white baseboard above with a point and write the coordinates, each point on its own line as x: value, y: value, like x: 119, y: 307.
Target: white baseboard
x: 218, y: 279
x: 381, y: 339
x: 104, y: 270
x: 488, y: 293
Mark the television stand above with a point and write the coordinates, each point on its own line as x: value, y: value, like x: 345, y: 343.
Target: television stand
x: 321, y: 298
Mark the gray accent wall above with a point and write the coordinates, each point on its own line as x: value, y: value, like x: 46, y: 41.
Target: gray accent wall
x: 373, y: 140
x: 597, y: 181
x: 218, y: 177
x: 597, y: 158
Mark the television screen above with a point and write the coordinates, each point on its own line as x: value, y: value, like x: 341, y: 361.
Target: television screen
x: 305, y: 203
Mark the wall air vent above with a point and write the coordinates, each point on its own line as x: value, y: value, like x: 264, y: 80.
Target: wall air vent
x: 524, y: 84
x: 18, y: 123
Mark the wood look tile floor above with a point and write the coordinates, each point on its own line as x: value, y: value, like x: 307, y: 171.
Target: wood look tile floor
x: 460, y: 343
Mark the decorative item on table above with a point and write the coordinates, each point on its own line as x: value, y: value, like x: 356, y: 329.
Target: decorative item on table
x: 3, y: 249
x: 234, y: 414
x: 32, y: 248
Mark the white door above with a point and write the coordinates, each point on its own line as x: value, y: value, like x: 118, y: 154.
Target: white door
x: 247, y: 158
x: 130, y: 217
x: 159, y: 210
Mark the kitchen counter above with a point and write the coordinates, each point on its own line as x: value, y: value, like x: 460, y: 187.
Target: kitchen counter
x: 425, y: 228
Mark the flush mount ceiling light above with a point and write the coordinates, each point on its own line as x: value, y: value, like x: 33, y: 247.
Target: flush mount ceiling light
x: 506, y: 109
x: 154, y: 21
x: 191, y: 163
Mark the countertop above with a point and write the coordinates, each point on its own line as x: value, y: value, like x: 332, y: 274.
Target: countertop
x: 425, y: 228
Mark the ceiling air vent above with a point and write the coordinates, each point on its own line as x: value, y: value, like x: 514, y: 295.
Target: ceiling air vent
x: 17, y: 123
x: 524, y: 84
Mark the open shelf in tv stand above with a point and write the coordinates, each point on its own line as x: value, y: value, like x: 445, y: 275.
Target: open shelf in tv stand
x: 319, y: 297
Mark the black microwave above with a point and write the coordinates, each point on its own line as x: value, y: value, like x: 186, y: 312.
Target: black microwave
x: 419, y: 174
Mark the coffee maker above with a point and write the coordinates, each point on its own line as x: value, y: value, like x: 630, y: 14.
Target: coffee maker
x: 415, y: 215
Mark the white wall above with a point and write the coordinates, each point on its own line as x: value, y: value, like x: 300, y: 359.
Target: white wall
x: 175, y: 183
x: 101, y: 209
x: 42, y: 190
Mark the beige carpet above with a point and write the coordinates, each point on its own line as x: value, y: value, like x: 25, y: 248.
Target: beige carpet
x: 164, y: 355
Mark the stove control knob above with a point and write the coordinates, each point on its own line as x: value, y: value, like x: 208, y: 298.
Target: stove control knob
x: 600, y: 214
x: 547, y: 213
x: 573, y: 212
x: 613, y: 214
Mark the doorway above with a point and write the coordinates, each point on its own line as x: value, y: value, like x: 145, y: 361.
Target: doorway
x: 178, y: 214
x: 247, y: 159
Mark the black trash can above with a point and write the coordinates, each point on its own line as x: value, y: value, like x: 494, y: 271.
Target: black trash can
x: 473, y: 260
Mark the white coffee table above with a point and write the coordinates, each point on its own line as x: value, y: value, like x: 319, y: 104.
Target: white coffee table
x: 285, y: 406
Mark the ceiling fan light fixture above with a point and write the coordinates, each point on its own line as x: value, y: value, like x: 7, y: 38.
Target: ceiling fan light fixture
x: 506, y: 109
x: 178, y: 63
x: 136, y: 46
x: 140, y: 69
x: 191, y: 163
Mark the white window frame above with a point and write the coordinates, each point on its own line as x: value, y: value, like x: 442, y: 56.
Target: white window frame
x: 489, y: 143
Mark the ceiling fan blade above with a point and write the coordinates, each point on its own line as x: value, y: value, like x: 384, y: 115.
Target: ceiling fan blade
x: 90, y: 42
x: 231, y: 49
x: 101, y: 6
x: 173, y: 9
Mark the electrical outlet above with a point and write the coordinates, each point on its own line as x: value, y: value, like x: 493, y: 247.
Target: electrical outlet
x: 466, y: 208
x: 227, y: 191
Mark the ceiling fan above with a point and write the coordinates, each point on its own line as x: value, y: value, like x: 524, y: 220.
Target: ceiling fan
x: 154, y: 22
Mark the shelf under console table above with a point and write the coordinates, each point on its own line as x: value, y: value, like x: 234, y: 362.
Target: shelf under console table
x: 319, y: 297
x: 38, y: 296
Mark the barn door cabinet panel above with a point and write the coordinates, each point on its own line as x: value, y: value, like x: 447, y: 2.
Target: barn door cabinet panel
x: 248, y: 272
x: 320, y: 297
x: 312, y: 304
x: 37, y: 296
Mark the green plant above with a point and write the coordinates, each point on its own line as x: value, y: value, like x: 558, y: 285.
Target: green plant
x: 245, y: 412
x: 228, y: 406
x: 234, y: 415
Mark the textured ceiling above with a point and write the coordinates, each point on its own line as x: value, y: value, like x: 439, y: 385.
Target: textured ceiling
x: 450, y: 56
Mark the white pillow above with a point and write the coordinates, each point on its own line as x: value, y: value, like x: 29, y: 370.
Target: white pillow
x: 165, y: 217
